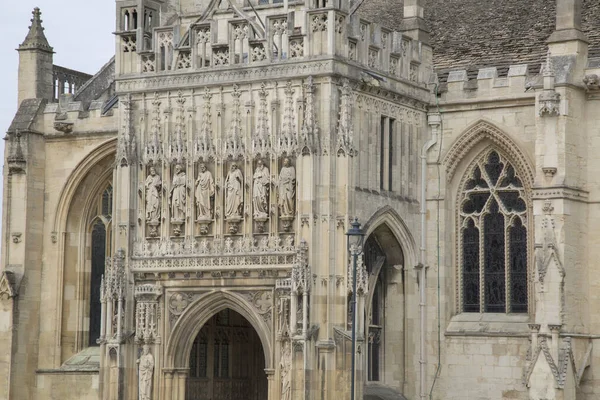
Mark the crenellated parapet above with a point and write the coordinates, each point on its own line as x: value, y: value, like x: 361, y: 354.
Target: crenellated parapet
x: 488, y: 83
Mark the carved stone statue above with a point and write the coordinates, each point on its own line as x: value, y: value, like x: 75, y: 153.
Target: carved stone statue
x: 146, y: 371
x: 205, y: 189
x: 286, y: 370
x: 260, y: 191
x: 287, y: 189
x: 178, y: 195
x: 153, y: 185
x: 234, y: 193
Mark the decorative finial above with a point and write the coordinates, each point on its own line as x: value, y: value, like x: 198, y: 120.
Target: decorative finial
x: 548, y: 69
x: 35, y: 38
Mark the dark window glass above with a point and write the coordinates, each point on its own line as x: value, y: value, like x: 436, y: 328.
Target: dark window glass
x: 518, y: 267
x: 494, y: 267
x: 470, y: 268
x: 107, y: 202
x: 98, y: 263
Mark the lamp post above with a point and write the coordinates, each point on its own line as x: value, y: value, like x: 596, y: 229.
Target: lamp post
x: 355, y: 238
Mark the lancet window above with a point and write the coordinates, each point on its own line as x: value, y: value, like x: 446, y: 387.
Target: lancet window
x: 100, y: 249
x: 493, y: 236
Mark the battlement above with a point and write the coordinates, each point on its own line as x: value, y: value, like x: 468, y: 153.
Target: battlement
x: 486, y: 83
x: 262, y: 35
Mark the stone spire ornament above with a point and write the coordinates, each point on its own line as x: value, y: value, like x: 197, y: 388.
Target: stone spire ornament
x: 549, y: 99
x: 35, y: 39
x: 203, y: 147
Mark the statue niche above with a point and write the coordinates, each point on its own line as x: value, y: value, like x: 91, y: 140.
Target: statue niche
x: 153, y: 186
x: 286, y: 185
x: 146, y: 372
x: 260, y: 195
x: 234, y: 197
x: 178, y: 199
x: 204, y: 194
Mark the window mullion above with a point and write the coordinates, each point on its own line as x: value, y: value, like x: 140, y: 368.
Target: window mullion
x: 481, y: 264
x: 507, y: 291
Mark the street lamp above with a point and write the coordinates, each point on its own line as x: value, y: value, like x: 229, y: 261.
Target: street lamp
x: 355, y: 237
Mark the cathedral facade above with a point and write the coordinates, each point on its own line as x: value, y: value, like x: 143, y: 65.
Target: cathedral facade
x: 175, y: 227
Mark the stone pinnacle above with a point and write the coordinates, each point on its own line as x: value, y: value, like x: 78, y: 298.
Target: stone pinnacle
x: 35, y: 37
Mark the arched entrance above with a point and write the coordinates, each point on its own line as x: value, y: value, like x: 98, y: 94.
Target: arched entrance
x: 227, y: 360
x: 384, y: 308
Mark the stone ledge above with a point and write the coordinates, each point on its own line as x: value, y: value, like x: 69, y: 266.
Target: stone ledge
x: 489, y: 325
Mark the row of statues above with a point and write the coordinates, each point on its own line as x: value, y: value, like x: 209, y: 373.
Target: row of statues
x: 204, y: 193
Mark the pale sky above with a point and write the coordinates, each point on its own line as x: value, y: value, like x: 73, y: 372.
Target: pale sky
x: 79, y: 30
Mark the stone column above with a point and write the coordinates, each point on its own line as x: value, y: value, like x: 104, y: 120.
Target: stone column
x: 272, y: 387
x: 168, y: 393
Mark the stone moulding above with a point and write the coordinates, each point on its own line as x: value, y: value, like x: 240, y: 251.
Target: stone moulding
x: 481, y: 131
x: 207, y: 263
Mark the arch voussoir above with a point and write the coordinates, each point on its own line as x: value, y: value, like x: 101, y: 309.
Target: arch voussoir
x: 197, y: 315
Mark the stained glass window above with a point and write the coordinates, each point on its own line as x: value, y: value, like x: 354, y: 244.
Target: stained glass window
x: 493, y: 238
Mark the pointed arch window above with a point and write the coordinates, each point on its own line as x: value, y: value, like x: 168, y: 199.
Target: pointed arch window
x: 100, y: 249
x: 493, y: 235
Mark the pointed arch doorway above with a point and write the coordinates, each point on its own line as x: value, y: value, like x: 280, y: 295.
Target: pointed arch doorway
x: 385, y: 308
x: 227, y: 360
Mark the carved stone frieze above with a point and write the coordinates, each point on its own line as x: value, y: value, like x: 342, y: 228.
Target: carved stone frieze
x: 126, y: 147
x: 224, y: 76
x: 263, y: 304
x: 7, y: 286
x: 147, y: 313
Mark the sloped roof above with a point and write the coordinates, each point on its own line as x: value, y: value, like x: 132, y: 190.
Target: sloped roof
x: 25, y: 116
x: 476, y: 33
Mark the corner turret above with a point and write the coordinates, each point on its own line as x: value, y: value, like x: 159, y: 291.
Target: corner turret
x: 35, y: 62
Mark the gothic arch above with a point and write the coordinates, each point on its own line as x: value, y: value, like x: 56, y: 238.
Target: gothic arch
x: 485, y: 131
x: 99, y: 157
x: 390, y: 217
x: 198, y: 313
x: 74, y: 180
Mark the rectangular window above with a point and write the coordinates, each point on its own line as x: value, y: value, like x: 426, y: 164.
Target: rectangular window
x: 387, y: 157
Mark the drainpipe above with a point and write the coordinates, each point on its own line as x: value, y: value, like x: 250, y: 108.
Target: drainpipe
x: 434, y: 121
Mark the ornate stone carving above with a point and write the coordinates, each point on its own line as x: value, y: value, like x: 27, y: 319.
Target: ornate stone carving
x: 145, y: 374
x: 286, y: 186
x: 64, y: 127
x: 549, y: 99
x: 178, y: 148
x: 205, y: 191
x: 263, y: 303
x: 153, y: 150
x: 287, y: 143
x: 153, y: 187
x: 147, y: 313
x: 234, y: 195
x: 547, y: 251
x: 301, y: 273
x: 362, y: 276
x: 16, y: 237
x: 204, y: 149
x: 126, y: 144
x: 591, y: 82
x: 286, y: 371
x: 7, y: 285
x: 310, y: 129
x: 178, y: 199
x: 345, y: 131
x: 261, y: 141
x: 234, y: 142
x: 260, y: 192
